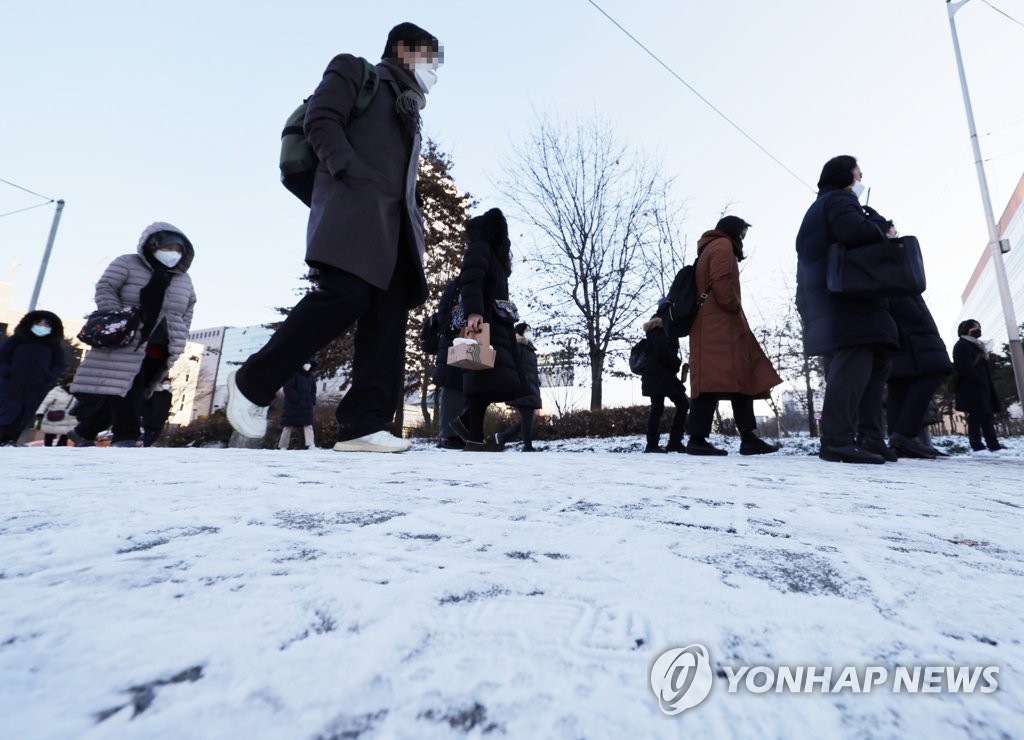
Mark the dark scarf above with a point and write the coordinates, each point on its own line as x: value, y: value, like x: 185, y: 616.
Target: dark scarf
x: 411, y: 100
x: 151, y: 297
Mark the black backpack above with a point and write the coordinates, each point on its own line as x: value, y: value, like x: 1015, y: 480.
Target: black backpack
x: 298, y: 161
x: 638, y: 357
x: 678, y: 310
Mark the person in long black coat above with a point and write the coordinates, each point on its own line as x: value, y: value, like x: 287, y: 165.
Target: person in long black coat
x: 854, y: 335
x: 660, y: 380
x: 975, y: 393
x: 486, y: 266
x: 526, y: 405
x: 919, y: 367
x: 31, y: 361
x: 447, y: 380
x: 299, y: 405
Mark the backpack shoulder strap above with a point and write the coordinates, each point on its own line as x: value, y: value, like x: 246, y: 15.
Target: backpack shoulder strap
x: 367, y: 87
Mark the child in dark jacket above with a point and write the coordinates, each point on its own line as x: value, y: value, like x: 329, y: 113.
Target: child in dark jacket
x: 660, y: 380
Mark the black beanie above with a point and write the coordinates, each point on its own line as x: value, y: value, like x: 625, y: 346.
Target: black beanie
x: 410, y: 34
x: 837, y: 172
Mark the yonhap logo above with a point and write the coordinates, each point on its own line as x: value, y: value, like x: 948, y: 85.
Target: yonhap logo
x: 681, y: 678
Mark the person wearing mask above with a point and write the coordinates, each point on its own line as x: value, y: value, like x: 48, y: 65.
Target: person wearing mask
x: 526, y: 406
x: 112, y: 383
x: 31, y: 360
x: 975, y: 392
x: 659, y: 380
x: 726, y: 361
x: 299, y: 405
x: 155, y: 412
x: 919, y: 367
x: 854, y: 335
x: 56, y: 419
x: 364, y: 240
x: 486, y: 266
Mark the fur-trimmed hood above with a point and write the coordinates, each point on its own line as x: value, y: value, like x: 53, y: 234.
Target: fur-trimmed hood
x: 654, y: 323
x: 24, y: 327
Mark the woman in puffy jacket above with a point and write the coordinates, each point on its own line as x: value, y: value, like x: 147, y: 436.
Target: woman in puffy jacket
x: 113, y: 382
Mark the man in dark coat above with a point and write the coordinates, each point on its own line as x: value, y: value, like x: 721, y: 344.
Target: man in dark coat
x: 364, y: 240
x: 483, y: 281
x: 447, y: 380
x: 853, y: 334
x: 526, y: 405
x: 660, y: 380
x: 919, y: 367
x: 299, y: 406
x: 975, y: 394
x: 31, y: 360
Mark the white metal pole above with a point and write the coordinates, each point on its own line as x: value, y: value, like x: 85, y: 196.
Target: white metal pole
x: 46, y: 256
x: 1012, y: 330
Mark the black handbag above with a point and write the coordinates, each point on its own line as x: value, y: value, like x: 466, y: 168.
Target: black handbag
x: 506, y: 311
x: 886, y: 269
x: 111, y: 328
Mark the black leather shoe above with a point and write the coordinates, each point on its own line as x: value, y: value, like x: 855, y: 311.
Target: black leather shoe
x: 675, y: 447
x: 486, y: 446
x: 909, y: 447
x: 757, y: 446
x: 654, y: 449
x: 879, y: 447
x: 850, y: 454
x: 704, y: 448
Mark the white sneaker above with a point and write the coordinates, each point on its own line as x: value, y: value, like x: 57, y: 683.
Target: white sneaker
x: 377, y: 442
x: 247, y: 418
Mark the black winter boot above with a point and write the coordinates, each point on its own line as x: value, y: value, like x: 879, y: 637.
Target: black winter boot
x: 701, y: 446
x: 751, y: 444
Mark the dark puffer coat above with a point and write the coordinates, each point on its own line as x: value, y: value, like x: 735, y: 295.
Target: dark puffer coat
x: 484, y: 279
x: 975, y: 392
x: 832, y: 322
x: 922, y: 351
x: 528, y: 357
x: 661, y: 372
x: 299, y: 400
x: 29, y: 367
x: 444, y: 376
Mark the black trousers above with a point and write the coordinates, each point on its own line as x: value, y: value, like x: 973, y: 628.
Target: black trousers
x: 981, y: 425
x: 907, y: 403
x: 96, y: 412
x: 323, y: 315
x: 48, y: 438
x: 675, y: 433
x: 524, y: 426
x: 854, y: 383
x: 703, y: 407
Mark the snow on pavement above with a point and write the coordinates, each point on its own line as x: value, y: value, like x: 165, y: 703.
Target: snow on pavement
x: 170, y: 593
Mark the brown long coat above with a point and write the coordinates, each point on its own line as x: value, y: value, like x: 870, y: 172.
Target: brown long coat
x: 724, y: 354
x: 364, y: 213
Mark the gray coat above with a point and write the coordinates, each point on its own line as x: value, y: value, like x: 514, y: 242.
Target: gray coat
x: 110, y: 371
x: 364, y: 212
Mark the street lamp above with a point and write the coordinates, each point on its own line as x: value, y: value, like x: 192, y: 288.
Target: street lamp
x: 1012, y: 330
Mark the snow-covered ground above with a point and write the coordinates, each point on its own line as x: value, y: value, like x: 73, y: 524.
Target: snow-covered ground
x: 260, y: 594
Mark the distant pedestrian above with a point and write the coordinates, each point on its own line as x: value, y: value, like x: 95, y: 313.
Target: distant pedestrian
x: 299, y: 406
x: 918, y: 369
x: 56, y: 419
x: 726, y: 361
x: 31, y: 360
x: 483, y: 281
x: 112, y: 383
x: 854, y: 335
x: 364, y: 239
x: 659, y: 380
x: 447, y: 380
x: 975, y: 392
x: 526, y: 406
x: 156, y: 410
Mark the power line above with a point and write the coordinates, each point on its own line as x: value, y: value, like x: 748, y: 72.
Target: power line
x: 29, y: 208
x: 703, y: 99
x: 13, y: 185
x: 1003, y: 13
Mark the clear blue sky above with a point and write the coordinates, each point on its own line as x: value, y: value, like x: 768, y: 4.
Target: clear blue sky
x: 140, y: 111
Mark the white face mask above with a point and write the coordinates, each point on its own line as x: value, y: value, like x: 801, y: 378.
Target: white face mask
x: 166, y: 386
x: 168, y: 257
x: 857, y: 189
x: 41, y: 331
x: 306, y: 367
x: 527, y: 335
x: 426, y: 75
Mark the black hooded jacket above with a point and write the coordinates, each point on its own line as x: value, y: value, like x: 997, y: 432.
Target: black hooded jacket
x: 29, y: 367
